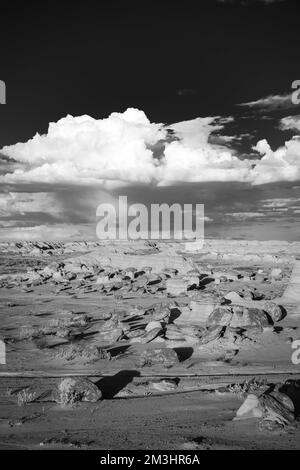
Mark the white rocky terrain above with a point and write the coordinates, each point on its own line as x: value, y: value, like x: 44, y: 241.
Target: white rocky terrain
x: 88, y: 325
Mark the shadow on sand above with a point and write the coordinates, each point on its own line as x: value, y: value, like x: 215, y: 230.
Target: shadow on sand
x: 110, y: 386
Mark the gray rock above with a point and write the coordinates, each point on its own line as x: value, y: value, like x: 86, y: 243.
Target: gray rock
x: 248, y: 318
x: 276, y: 410
x: 274, y: 310
x: 220, y: 316
x: 111, y: 337
x: 147, y: 336
x: 165, y: 357
x: 74, y: 389
x: 211, y: 334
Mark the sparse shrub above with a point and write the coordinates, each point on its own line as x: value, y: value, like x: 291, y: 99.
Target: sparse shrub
x: 68, y: 397
x: 57, y: 327
x: 25, y: 396
x: 249, y: 386
x: 33, y: 332
x: 88, y: 353
x: 63, y: 332
x: 67, y: 394
x: 29, y: 332
x: 72, y: 321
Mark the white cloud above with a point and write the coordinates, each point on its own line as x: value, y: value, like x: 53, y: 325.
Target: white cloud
x: 282, y: 164
x: 290, y: 123
x: 85, y: 150
x: 279, y: 202
x: 8, y: 223
x: 119, y: 150
x: 21, y: 203
x: 245, y: 215
x: 270, y: 103
x: 40, y: 232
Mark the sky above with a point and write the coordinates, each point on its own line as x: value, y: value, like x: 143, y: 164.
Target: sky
x: 189, y: 102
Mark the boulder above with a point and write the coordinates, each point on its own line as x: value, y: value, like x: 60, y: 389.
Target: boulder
x: 220, y: 316
x: 70, y: 276
x: 275, y: 409
x: 152, y: 325
x: 284, y: 400
x: 176, y: 286
x: 185, y: 334
x: 174, y: 332
x: 165, y: 357
x: 273, y: 310
x: 196, y: 314
x: 147, y: 336
x: 74, y: 389
x: 103, y: 279
x: 129, y: 272
x: 159, y: 312
x: 211, y: 334
x: 134, y: 333
x: 234, y: 298
x: 251, y: 408
x: 141, y: 282
x: 249, y: 318
x: 276, y: 274
x: 58, y: 277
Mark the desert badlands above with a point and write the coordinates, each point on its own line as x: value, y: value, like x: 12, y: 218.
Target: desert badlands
x: 134, y: 345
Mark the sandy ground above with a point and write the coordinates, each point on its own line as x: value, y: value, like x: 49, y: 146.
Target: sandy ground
x: 189, y: 418
x: 188, y: 421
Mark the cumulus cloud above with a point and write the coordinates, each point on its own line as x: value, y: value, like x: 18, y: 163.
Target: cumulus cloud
x: 282, y: 164
x: 118, y: 150
x: 86, y: 150
x: 290, y: 123
x: 122, y: 149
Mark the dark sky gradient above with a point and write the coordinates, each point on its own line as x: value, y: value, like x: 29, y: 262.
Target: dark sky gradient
x: 175, y: 61
x: 98, y: 57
